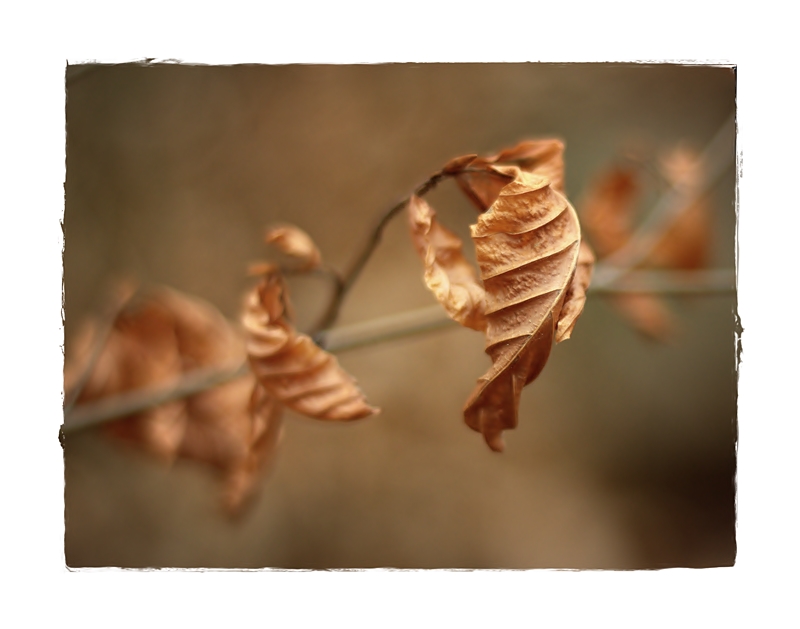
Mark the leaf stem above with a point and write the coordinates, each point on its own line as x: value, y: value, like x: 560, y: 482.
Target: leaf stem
x: 349, y: 278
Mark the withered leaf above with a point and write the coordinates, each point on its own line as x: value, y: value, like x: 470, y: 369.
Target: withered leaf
x: 289, y: 366
x: 527, y: 248
x: 154, y: 342
x: 295, y: 243
x: 533, y: 266
x: 447, y: 272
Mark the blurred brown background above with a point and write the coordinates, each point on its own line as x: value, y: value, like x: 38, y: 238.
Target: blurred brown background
x: 625, y: 453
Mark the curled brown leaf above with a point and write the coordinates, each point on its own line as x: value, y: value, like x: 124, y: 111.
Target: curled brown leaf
x: 534, y: 271
x: 289, y: 366
x: 447, y: 272
x: 527, y: 248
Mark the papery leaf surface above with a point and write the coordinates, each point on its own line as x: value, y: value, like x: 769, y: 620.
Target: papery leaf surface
x: 528, y: 245
x: 290, y: 366
x: 448, y: 274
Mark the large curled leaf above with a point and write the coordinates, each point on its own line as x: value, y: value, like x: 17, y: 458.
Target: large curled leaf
x: 288, y: 364
x: 154, y: 342
x: 533, y: 266
x: 527, y: 248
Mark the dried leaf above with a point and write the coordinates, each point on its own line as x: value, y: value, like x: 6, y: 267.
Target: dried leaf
x: 296, y: 243
x: 290, y: 367
x: 447, y: 272
x: 527, y: 247
x: 157, y: 341
x: 533, y: 266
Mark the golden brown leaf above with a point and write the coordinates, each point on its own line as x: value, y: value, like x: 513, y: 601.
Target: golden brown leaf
x: 534, y: 268
x: 290, y: 367
x: 527, y: 247
x: 447, y: 272
x: 153, y: 343
x: 296, y: 243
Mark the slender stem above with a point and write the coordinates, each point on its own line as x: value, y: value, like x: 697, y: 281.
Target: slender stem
x: 350, y: 277
x: 663, y: 282
x: 718, y: 281
x: 132, y: 402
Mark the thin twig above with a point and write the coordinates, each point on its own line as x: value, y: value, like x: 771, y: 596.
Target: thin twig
x: 349, y: 278
x: 663, y: 282
x: 132, y: 402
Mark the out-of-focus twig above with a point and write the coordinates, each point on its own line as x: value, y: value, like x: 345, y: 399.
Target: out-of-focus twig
x: 719, y: 159
x: 352, y: 274
x: 132, y: 402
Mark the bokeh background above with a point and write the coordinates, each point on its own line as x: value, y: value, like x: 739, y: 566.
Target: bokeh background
x: 625, y: 453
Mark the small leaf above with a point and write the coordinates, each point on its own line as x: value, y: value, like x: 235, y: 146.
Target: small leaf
x: 290, y: 367
x: 296, y: 243
x: 447, y: 272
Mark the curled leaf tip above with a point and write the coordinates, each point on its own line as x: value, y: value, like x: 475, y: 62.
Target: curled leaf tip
x: 448, y: 274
